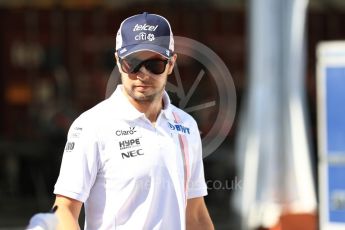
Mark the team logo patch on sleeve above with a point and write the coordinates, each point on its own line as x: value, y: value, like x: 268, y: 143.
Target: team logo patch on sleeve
x: 76, y: 132
x: 69, y: 146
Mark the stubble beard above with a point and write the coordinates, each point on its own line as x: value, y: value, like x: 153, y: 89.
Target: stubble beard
x: 144, y: 98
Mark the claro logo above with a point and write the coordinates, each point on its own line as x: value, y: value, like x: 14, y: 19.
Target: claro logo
x: 132, y: 153
x: 131, y: 131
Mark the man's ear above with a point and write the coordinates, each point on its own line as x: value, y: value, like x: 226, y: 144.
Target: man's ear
x: 172, y: 63
x: 117, y: 62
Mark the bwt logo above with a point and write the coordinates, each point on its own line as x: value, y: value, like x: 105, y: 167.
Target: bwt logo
x: 138, y: 27
x: 143, y: 36
x: 179, y: 128
x: 129, y: 143
x: 131, y: 131
x: 132, y: 153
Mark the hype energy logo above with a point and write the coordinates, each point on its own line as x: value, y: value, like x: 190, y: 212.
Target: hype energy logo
x: 127, y: 144
x: 209, y: 94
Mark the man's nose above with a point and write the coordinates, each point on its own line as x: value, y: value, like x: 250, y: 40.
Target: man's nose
x: 142, y: 74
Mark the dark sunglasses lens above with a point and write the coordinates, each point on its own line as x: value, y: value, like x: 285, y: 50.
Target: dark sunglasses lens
x: 130, y: 66
x: 155, y: 66
x: 126, y: 66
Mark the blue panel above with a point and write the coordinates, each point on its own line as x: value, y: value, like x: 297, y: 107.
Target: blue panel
x: 336, y: 193
x: 335, y: 102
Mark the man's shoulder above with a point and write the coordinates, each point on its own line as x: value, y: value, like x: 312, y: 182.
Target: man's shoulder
x: 95, y: 112
x: 98, y: 114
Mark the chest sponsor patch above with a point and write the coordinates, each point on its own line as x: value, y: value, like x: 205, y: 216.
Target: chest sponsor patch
x: 130, y: 143
x: 126, y: 132
x: 179, y: 128
x: 132, y: 153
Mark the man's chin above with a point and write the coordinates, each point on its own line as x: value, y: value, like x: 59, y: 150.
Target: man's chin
x: 140, y: 97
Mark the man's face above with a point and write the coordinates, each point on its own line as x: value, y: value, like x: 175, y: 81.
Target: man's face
x: 145, y: 86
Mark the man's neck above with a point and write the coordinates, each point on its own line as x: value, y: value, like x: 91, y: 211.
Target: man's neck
x: 151, y: 109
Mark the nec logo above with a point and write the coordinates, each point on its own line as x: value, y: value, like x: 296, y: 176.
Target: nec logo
x: 131, y: 131
x: 132, y: 153
x: 129, y: 143
x: 179, y: 128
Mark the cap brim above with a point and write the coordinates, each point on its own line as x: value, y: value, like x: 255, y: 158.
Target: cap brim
x: 144, y: 47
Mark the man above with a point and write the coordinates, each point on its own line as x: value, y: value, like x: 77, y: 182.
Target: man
x: 135, y: 160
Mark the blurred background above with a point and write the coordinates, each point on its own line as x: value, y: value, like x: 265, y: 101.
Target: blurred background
x: 55, y: 61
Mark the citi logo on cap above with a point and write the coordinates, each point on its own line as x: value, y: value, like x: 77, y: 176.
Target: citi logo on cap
x: 143, y: 36
x: 138, y: 27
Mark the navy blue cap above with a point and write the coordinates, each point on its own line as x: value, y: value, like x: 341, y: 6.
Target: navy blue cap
x: 145, y: 32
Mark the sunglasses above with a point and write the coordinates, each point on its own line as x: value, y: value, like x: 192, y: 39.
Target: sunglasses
x: 133, y: 65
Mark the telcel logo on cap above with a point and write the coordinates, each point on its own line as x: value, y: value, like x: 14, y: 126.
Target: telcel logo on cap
x: 138, y: 27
